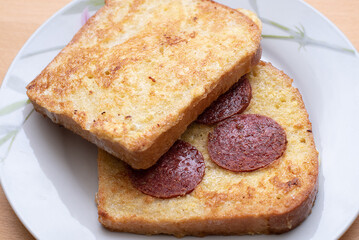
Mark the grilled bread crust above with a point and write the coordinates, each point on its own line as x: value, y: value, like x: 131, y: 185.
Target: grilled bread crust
x: 140, y: 71
x: 273, y: 199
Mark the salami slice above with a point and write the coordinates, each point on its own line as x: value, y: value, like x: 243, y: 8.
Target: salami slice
x: 246, y: 142
x: 234, y: 101
x: 176, y: 173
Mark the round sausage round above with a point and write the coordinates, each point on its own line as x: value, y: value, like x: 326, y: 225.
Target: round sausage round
x: 234, y: 101
x: 246, y: 142
x: 176, y: 173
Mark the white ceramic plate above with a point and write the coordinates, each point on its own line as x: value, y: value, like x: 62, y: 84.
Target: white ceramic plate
x: 49, y: 175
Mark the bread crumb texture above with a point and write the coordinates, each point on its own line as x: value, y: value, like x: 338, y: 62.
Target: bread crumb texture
x: 137, y: 66
x: 273, y: 199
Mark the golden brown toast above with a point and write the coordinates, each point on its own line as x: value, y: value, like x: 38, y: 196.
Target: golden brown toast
x: 139, y: 72
x: 273, y: 199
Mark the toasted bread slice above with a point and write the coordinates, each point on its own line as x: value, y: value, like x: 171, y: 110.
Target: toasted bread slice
x: 273, y: 199
x: 139, y: 72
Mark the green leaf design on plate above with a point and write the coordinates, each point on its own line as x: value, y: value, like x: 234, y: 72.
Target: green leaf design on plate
x: 17, y: 84
x: 298, y: 34
x: 12, y: 135
x: 4, y: 129
x: 78, y: 7
x: 13, y: 107
x: 97, y: 2
x: 91, y: 5
x: 7, y: 137
x: 56, y: 48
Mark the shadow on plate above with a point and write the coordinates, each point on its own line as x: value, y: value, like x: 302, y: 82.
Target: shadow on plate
x: 69, y: 162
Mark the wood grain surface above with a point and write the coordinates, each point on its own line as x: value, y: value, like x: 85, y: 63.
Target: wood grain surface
x: 20, y: 18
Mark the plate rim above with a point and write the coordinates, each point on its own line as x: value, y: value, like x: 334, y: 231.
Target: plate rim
x: 3, y: 83
x: 340, y: 231
x: 336, y: 28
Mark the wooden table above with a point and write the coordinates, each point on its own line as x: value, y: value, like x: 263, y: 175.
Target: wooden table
x: 20, y: 18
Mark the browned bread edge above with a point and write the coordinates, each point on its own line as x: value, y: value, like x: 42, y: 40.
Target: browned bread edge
x: 280, y: 222
x: 151, y: 152
x: 165, y: 140
x: 232, y: 225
